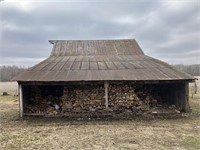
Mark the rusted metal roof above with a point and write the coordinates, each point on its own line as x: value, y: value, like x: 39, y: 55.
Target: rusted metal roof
x: 100, y: 60
x: 95, y: 47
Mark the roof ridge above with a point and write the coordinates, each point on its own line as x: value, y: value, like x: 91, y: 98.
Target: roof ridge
x: 52, y: 41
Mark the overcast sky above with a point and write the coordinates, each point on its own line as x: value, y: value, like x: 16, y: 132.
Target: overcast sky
x: 166, y: 29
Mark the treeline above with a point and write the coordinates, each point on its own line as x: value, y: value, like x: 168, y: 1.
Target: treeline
x: 191, y: 69
x: 8, y: 72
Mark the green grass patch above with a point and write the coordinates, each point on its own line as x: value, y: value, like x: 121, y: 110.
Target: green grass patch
x: 192, y: 142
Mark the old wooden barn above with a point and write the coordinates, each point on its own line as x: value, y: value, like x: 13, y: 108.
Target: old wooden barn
x: 99, y: 78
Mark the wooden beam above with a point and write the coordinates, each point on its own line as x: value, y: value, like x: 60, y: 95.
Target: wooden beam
x: 186, y: 101
x: 101, y: 82
x: 20, y: 101
x: 106, y: 85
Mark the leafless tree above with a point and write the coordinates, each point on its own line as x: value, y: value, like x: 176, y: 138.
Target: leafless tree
x: 191, y: 69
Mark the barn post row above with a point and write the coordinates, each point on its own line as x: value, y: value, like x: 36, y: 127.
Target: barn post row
x: 98, y: 77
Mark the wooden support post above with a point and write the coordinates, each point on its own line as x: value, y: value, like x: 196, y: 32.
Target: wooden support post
x: 186, y: 102
x: 106, y: 84
x: 20, y: 101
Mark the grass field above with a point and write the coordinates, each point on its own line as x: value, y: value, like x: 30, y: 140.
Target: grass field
x: 9, y: 87
x: 181, y: 133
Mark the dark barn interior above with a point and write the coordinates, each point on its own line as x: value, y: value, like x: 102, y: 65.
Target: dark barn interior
x: 99, y: 78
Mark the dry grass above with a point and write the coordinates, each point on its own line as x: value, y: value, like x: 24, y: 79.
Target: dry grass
x: 58, y: 133
x: 40, y: 133
x: 9, y: 87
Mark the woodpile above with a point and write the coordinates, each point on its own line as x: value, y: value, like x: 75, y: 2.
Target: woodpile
x: 125, y: 97
x: 89, y: 101
x: 82, y: 100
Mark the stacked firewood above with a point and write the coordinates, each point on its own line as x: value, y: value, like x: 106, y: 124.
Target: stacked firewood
x: 84, y: 99
x: 124, y: 97
x: 89, y: 101
x: 34, y: 104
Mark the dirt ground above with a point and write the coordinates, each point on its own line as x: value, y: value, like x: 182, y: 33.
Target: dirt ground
x: 182, y: 133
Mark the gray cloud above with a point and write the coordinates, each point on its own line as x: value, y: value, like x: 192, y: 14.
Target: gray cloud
x: 166, y: 30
